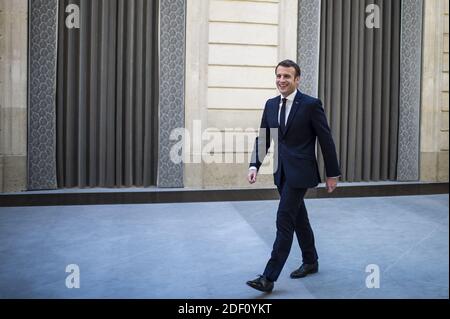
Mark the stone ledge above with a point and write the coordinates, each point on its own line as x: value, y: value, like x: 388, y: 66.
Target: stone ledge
x: 158, y: 195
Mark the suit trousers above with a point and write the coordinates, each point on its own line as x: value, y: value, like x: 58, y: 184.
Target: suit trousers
x: 291, y: 217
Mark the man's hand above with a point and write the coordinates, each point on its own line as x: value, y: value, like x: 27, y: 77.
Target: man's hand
x: 251, y: 177
x: 331, y: 184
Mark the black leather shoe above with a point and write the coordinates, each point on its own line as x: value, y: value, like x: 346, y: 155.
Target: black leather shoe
x: 261, y: 283
x: 305, y: 269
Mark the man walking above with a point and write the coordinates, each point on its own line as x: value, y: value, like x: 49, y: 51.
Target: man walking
x: 298, y: 120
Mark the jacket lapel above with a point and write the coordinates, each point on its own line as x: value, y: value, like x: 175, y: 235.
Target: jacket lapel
x: 295, y: 106
x: 276, y: 110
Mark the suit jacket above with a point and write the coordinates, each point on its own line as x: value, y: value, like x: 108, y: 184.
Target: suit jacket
x: 295, y: 149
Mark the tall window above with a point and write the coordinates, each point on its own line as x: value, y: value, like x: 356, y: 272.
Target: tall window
x: 107, y: 94
x: 359, y: 85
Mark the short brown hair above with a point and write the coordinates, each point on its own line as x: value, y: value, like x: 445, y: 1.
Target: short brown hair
x: 289, y: 64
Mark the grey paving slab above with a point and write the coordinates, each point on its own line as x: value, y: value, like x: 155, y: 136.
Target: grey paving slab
x: 209, y: 250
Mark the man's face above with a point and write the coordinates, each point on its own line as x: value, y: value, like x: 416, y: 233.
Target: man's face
x: 286, y: 80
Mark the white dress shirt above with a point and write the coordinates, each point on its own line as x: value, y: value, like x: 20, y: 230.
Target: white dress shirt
x: 289, y: 101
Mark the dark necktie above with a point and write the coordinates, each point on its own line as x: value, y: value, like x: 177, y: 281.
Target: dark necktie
x: 283, y: 116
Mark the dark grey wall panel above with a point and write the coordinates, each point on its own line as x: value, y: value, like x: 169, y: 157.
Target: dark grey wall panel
x: 171, y: 101
x: 308, y: 45
x: 410, y: 90
x: 42, y: 93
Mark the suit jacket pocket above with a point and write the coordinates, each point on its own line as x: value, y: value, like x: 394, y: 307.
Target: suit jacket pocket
x: 305, y: 156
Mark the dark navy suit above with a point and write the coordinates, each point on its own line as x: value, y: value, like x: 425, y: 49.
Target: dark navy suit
x: 297, y: 170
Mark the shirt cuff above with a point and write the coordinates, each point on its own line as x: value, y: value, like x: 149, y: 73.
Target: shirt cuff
x: 252, y: 168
